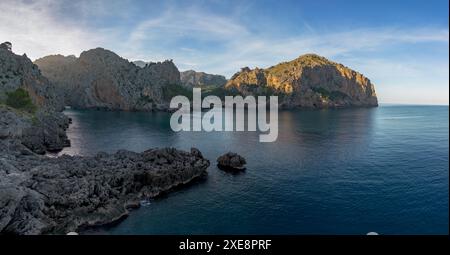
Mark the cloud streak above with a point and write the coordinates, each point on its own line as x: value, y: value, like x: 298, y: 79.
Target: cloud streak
x: 198, y: 38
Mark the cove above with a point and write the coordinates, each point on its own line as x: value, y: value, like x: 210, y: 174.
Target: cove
x: 212, y: 119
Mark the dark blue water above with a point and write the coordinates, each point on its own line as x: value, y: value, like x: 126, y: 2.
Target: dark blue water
x: 348, y: 171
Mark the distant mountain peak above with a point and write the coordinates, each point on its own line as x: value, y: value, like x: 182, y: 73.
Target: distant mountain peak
x: 191, y: 78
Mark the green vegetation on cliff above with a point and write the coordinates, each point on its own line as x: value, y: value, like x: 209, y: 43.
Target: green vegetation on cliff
x: 21, y: 100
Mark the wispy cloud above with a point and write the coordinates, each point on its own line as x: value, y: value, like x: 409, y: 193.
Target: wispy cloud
x: 32, y: 28
x: 217, y: 42
x: 237, y: 45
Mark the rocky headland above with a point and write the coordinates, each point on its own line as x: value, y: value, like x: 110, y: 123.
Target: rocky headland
x: 43, y: 195
x: 56, y: 195
x: 310, y: 81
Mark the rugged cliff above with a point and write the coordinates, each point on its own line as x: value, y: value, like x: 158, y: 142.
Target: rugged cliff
x: 310, y: 81
x: 192, y: 78
x: 29, y: 105
x: 19, y: 72
x: 99, y: 78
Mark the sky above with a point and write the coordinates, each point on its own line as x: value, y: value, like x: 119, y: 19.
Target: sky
x: 402, y: 46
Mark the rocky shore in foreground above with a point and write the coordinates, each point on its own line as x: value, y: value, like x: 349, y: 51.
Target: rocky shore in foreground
x: 42, y: 195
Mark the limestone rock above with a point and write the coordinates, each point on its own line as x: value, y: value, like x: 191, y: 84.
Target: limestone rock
x: 42, y: 195
x: 19, y: 72
x: 99, y: 78
x: 310, y: 81
x: 41, y: 132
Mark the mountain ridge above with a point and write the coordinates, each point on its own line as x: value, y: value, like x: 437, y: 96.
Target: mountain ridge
x: 100, y: 78
x: 309, y: 81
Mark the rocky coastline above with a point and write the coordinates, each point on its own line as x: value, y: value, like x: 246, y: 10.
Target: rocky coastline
x: 58, y: 195
x: 45, y: 195
x: 309, y: 81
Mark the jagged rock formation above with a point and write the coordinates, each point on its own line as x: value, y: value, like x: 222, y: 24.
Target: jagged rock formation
x: 309, y: 81
x: 192, y: 78
x: 40, y: 132
x: 19, y: 72
x: 99, y: 78
x: 43, y: 129
x: 46, y: 195
x: 6, y: 46
x: 42, y: 195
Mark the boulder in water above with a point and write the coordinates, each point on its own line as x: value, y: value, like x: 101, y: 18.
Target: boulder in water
x: 231, y: 161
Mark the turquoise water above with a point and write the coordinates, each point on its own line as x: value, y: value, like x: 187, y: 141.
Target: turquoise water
x: 348, y: 171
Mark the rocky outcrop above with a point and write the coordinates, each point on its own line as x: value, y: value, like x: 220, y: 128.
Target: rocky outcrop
x: 6, y: 46
x: 40, y: 132
x: 310, y: 81
x: 57, y: 195
x: 43, y: 129
x: 192, y: 78
x: 101, y: 79
x: 42, y: 195
x: 19, y: 72
x: 231, y: 161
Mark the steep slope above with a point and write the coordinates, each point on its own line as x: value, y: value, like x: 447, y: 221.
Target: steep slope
x: 99, y: 78
x: 310, y: 81
x: 29, y: 105
x: 19, y: 72
x: 192, y: 78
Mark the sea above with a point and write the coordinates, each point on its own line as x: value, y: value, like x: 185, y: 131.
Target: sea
x: 331, y: 172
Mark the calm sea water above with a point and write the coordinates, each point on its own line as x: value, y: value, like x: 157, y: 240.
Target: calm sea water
x: 348, y: 171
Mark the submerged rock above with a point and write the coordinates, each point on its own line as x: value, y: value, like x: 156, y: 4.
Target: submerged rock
x: 231, y: 161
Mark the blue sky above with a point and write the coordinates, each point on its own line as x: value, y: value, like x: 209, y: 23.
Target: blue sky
x: 402, y: 46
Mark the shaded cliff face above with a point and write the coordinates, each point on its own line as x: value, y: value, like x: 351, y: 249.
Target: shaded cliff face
x: 101, y: 79
x: 310, y: 81
x: 192, y: 78
x: 19, y: 72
